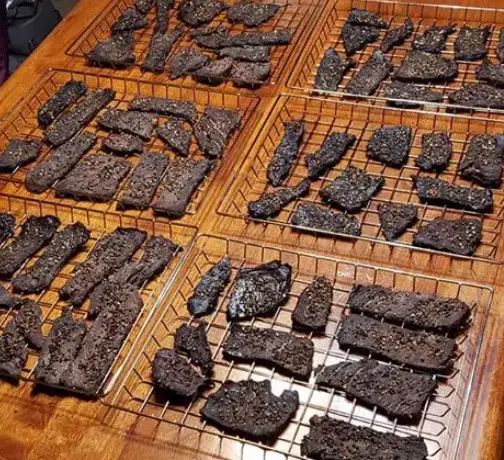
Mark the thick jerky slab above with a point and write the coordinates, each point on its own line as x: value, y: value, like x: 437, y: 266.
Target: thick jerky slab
x: 130, y: 19
x: 433, y: 39
x: 115, y: 52
x: 424, y: 311
x: 333, y: 439
x: 7, y: 225
x: 96, y: 178
x: 332, y: 151
x: 70, y: 123
x: 193, y: 342
x: 312, y: 218
x: 395, y: 218
x: 109, y: 254
x: 395, y: 392
x: 420, y: 67
x: 438, y: 191
x: 366, y: 18
x: 352, y: 189
x: 410, y: 92
x: 390, y: 145
x: 68, y: 94
x: 500, y: 46
x: 286, y: 352
x: 270, y: 204
x: 185, y: 110
x: 215, y: 72
x: 437, y: 150
x: 314, y: 305
x: 417, y: 349
x: 367, y: 80
x: 260, y: 290
x: 7, y: 300
x: 249, y: 408
x: 63, y: 246
x: 356, y: 37
x: 246, y: 53
x: 397, y: 36
x: 36, y: 233
x: 493, y: 74
x: 59, y: 163
x: 250, y: 74
x: 162, y: 15
x: 19, y: 153
x: 457, y: 236
x: 331, y: 70
x: 144, y: 181
x: 286, y: 153
x: 186, y: 62
x: 123, y: 144
x: 175, y: 136
x: 215, y: 128
x: 136, y: 123
x: 159, y: 48
x: 144, y: 6
x: 471, y: 44
x: 197, y: 12
x: 252, y: 14
x: 478, y: 95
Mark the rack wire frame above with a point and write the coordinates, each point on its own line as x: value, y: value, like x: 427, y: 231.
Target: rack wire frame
x: 441, y: 420
x: 99, y: 224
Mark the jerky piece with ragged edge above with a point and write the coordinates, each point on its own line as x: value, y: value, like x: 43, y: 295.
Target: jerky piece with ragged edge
x: 356, y: 37
x: 130, y: 19
x: 186, y: 62
x: 115, y: 52
x: 471, y: 43
x: 314, y: 305
x: 410, y: 92
x: 159, y: 48
x: 493, y: 74
x: 59, y: 163
x: 136, y: 123
x: 35, y: 233
x: 193, y: 342
x: 270, y: 204
x: 175, y: 136
x: 390, y: 145
x: 19, y: 153
x: 246, y: 53
x: 123, y: 144
x: 250, y: 74
x: 367, y: 80
x: 499, y: 50
x: 215, y: 72
x: 259, y: 291
x: 397, y: 36
x: 366, y: 18
x: 284, y: 351
x: 66, y: 95
x: 252, y: 14
x: 437, y: 150
x: 478, y: 95
x: 7, y: 226
x: 197, y: 12
x: 396, y: 218
x: 63, y: 246
x: 433, y: 40
x: 331, y: 70
x: 144, y: 6
x: 7, y: 300
x: 286, y: 153
x: 457, y: 236
x: 186, y: 110
x: 418, y: 349
x: 419, y: 66
x: 162, y: 15
x: 352, y: 189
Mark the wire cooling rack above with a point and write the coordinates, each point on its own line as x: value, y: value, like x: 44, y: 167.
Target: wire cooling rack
x: 442, y: 417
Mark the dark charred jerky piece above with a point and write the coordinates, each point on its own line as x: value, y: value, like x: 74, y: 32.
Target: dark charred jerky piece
x: 181, y: 180
x: 215, y: 128
x: 167, y: 107
x: 312, y: 218
x: 366, y: 18
x: 483, y: 161
x: 331, y: 70
x: 215, y: 72
x: 144, y: 181
x: 7, y: 225
x: 7, y: 300
x: 187, y: 62
x: 19, y: 153
x: 478, y: 95
x: 332, y: 151
x: 109, y: 254
x: 60, y: 349
x: 314, y: 305
x: 59, y: 163
x: 367, y: 80
x: 493, y: 74
x: 390, y: 145
x: 419, y: 66
x: 500, y: 46
x: 286, y: 153
x: 123, y: 144
x: 458, y: 236
x: 333, y: 439
x: 63, y: 246
x: 36, y: 233
x: 175, y: 136
x: 210, y: 287
x: 286, y: 352
x: 60, y: 101
x: 395, y: 218
x: 270, y: 204
x: 96, y: 177
x: 471, y: 44
x: 433, y: 39
x: 259, y: 291
x: 68, y: 125
x: 246, y: 53
x: 136, y: 123
x: 197, y: 12
x: 395, y: 392
x: 397, y: 36
x: 352, y: 189
x: 115, y: 52
x: 424, y: 311
x: 159, y: 48
x: 410, y: 92
x: 130, y: 19
x: 418, y: 349
x: 193, y: 342
x: 252, y: 14
x: 144, y: 6
x: 162, y: 15
x: 356, y: 37
x: 250, y: 74
x: 438, y: 191
x: 437, y: 150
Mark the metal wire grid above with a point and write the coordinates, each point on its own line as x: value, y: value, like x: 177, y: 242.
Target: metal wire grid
x: 423, y: 16
x: 441, y: 419
x: 99, y: 224
x: 293, y: 15
x: 22, y: 123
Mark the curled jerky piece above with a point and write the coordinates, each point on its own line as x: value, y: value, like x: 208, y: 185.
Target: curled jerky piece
x: 367, y: 80
x: 19, y: 153
x: 395, y: 218
x: 331, y: 70
x: 314, y: 305
x: 397, y: 36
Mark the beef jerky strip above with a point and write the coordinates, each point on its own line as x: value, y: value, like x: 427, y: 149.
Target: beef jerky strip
x: 144, y: 6
x: 63, y: 246
x: 420, y: 67
x: 478, y: 95
x: 185, y: 110
x: 175, y: 136
x: 250, y: 409
x: 433, y: 40
x: 109, y: 254
x: 59, y: 163
x: 70, y: 123
x: 19, y: 153
x: 136, y: 123
x: 366, y: 18
x: 367, y: 80
x: 314, y: 305
x: 260, y: 290
x: 390, y: 145
x: 215, y: 72
x: 193, y: 342
x: 115, y: 52
x: 270, y: 204
x: 286, y: 352
x: 7, y: 225
x: 186, y: 62
x: 286, y: 153
x: 500, y: 46
x: 356, y: 37
x: 195, y: 13
x: 396, y: 218
x: 410, y: 92
x: 331, y: 70
x: 471, y: 44
x: 437, y: 150
x: 417, y: 349
x: 219, y: 38
x: 144, y: 181
x: 7, y: 300
x: 246, y: 53
x: 35, y: 233
x: 159, y: 48
x: 397, y: 36
x: 333, y: 439
x: 252, y: 14
x: 493, y: 74
x: 250, y: 74
x: 123, y: 144
x: 130, y: 19
x: 66, y: 95
x: 210, y: 287
x: 162, y: 15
